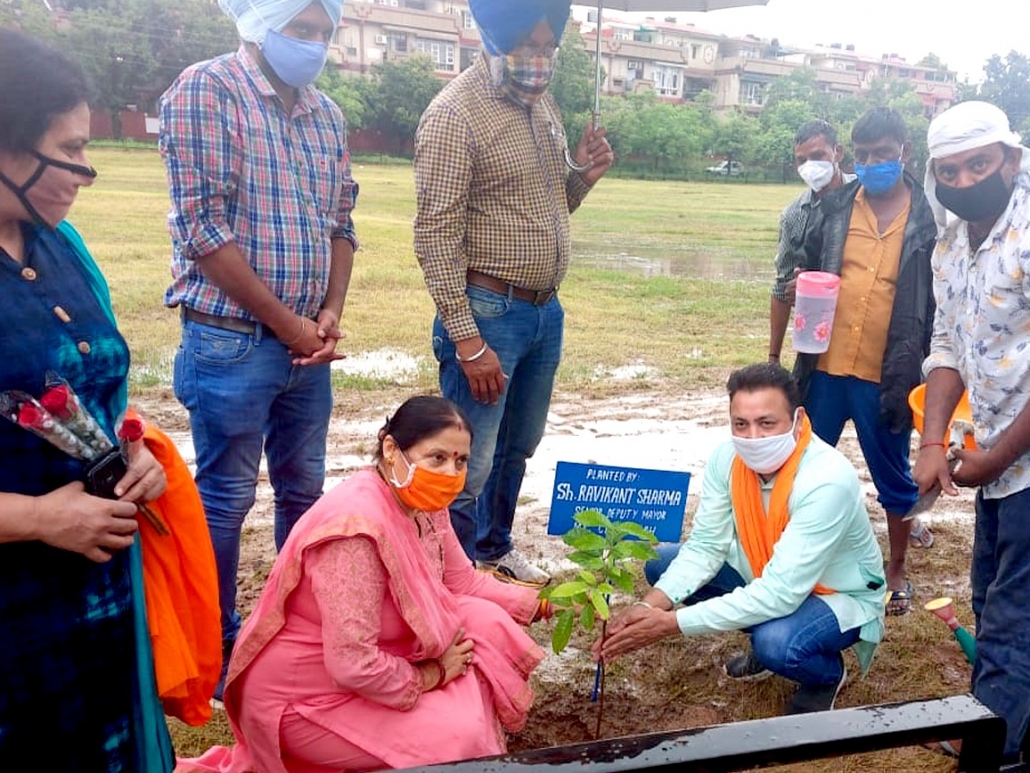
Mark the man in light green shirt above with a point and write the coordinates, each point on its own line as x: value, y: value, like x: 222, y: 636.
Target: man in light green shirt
x: 781, y: 547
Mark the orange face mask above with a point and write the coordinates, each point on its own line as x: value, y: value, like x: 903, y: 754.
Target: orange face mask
x: 427, y: 490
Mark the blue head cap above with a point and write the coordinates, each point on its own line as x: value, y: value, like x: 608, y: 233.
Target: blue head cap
x: 503, y: 24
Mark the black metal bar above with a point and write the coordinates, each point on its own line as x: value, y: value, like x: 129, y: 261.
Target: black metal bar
x: 773, y: 741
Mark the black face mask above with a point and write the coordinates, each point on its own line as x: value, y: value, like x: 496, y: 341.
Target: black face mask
x: 977, y: 203
x: 21, y: 191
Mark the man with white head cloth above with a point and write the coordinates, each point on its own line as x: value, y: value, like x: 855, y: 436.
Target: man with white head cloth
x: 980, y: 173
x: 263, y: 245
x: 494, y: 193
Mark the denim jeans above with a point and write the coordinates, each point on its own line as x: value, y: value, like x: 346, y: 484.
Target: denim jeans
x: 243, y: 393
x: 528, y: 341
x: 804, y: 646
x: 1001, y: 586
x: 831, y: 401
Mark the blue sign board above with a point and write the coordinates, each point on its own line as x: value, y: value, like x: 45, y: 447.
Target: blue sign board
x: 655, y: 499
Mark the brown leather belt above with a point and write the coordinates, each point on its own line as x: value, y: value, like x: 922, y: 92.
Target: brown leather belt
x: 233, y: 324
x: 495, y: 285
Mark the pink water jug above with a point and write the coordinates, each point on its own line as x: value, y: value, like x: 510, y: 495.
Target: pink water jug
x: 814, y: 305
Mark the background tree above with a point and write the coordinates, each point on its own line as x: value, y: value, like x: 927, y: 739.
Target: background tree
x: 735, y: 137
x: 933, y: 61
x: 131, y: 49
x: 29, y: 16
x: 779, y: 123
x: 403, y: 90
x: 352, y: 93
x: 573, y: 84
x: 1007, y: 85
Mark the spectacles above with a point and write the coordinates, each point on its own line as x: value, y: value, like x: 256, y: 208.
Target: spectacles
x: 548, y: 51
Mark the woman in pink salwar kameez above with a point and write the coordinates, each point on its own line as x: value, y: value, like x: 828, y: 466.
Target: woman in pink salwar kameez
x: 375, y: 644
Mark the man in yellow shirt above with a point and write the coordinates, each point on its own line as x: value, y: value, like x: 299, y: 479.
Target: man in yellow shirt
x: 878, y: 234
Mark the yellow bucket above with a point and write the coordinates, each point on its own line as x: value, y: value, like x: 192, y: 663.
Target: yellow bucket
x: 962, y: 412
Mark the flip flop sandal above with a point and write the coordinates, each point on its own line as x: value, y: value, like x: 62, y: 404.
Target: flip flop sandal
x: 920, y: 536
x: 900, y: 601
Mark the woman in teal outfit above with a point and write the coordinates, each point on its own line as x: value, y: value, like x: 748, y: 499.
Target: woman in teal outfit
x: 77, y: 688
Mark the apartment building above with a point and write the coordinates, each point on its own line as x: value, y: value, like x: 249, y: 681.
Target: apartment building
x: 376, y: 31
x: 676, y: 61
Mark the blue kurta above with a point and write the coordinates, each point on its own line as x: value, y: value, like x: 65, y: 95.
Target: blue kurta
x: 68, y: 654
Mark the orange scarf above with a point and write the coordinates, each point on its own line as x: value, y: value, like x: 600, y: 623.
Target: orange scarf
x: 759, y: 532
x: 180, y: 583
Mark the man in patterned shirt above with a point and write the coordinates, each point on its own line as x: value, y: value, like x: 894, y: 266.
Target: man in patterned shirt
x: 817, y: 157
x: 492, y: 236
x: 980, y: 173
x: 263, y: 246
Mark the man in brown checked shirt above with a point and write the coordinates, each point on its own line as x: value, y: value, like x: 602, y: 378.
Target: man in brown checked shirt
x: 494, y: 195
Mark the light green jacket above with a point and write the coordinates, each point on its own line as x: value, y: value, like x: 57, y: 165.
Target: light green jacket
x: 828, y: 540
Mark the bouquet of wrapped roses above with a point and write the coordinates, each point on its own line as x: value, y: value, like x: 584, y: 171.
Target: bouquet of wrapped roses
x: 59, y: 418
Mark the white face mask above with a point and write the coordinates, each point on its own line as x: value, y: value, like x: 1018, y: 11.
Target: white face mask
x: 817, y: 174
x: 765, y: 455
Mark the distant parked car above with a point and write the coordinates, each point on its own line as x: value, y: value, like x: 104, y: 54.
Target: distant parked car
x: 726, y: 168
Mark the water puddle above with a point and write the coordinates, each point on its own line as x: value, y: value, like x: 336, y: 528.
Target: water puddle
x: 686, y: 260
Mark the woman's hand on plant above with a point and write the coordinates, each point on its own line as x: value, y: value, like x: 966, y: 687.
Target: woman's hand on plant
x: 633, y: 629
x: 145, y: 480
x: 457, y: 657
x: 70, y: 519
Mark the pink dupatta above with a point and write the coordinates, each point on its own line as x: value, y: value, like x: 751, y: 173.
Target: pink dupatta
x: 363, y: 506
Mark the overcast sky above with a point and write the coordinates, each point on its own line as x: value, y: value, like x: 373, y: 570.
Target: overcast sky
x: 963, y: 33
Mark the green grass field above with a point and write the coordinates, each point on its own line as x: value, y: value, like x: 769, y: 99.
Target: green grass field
x: 685, y: 328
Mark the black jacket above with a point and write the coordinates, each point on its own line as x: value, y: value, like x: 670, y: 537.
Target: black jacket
x: 908, y: 335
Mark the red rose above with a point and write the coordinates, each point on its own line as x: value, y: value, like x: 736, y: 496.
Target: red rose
x: 131, y: 430
x: 60, y: 401
x: 32, y: 416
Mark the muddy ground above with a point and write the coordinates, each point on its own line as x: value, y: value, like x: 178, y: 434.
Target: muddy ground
x: 674, y: 684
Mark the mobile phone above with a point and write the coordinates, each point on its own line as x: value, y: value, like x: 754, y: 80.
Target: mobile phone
x: 103, y: 474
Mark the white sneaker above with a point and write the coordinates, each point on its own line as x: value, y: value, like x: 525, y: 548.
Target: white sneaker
x: 513, y: 566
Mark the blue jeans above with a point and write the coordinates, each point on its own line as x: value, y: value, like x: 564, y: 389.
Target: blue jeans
x: 528, y: 341
x: 1001, y: 586
x: 831, y: 401
x: 804, y: 646
x: 243, y: 393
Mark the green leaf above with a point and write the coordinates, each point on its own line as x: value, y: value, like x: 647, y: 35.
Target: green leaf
x: 589, y: 578
x: 622, y: 580
x: 567, y: 589
x: 592, y: 519
x: 606, y: 588
x: 598, y: 601
x: 634, y: 549
x: 584, y: 540
x: 562, y: 631
x: 636, y: 530
x: 587, y: 618
x: 586, y: 560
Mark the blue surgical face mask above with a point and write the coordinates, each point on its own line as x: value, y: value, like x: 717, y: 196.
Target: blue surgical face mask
x: 879, y: 178
x: 296, y: 62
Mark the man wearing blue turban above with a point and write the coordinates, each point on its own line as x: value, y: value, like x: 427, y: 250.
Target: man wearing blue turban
x: 494, y: 193
x: 262, y: 249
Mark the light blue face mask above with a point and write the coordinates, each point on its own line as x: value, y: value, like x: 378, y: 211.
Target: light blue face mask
x: 296, y: 62
x: 879, y: 178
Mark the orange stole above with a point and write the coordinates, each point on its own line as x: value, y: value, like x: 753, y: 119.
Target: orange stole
x: 759, y: 532
x: 181, y: 588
